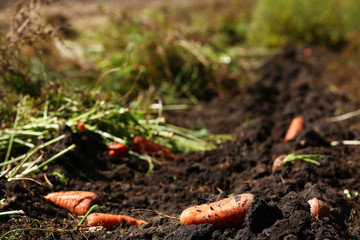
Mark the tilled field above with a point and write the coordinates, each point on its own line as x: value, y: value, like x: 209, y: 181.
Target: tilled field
x: 287, y: 88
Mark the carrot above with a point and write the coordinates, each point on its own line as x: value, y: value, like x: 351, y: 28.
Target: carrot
x: 278, y: 162
x: 109, y: 220
x: 296, y: 126
x: 142, y: 145
x: 286, y: 160
x: 117, y: 149
x: 307, y: 52
x: 78, y: 202
x: 228, y: 212
x: 81, y: 126
x: 318, y: 208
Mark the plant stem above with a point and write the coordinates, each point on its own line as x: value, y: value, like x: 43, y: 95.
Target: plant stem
x: 12, y: 137
x: 30, y: 133
x: 146, y: 158
x: 12, y: 160
x: 37, y: 167
x: 12, y: 212
x: 88, y: 212
x: 110, y: 136
x: 57, y: 155
x: 33, y: 152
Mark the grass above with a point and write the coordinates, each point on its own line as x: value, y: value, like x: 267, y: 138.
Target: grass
x: 189, y: 52
x: 325, y: 22
x: 175, y: 59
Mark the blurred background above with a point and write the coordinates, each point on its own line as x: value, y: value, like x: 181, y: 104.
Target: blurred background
x: 177, y: 51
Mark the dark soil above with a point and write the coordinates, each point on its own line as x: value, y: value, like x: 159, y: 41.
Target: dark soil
x: 288, y: 87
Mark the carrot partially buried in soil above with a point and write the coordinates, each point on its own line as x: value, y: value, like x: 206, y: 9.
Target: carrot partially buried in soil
x: 228, y: 212
x: 78, y: 202
x: 318, y: 208
x: 278, y: 162
x: 117, y: 149
x: 286, y: 160
x: 110, y: 220
x: 296, y: 126
x: 142, y: 145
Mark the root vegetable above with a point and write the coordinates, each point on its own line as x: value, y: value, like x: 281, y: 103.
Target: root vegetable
x: 278, y: 162
x: 296, y: 126
x: 117, y: 149
x: 284, y: 160
x: 228, y: 212
x: 307, y: 52
x: 140, y: 145
x: 318, y: 208
x: 110, y: 220
x: 78, y: 202
x: 81, y: 126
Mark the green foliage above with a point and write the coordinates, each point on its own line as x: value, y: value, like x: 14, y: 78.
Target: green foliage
x: 170, y: 52
x: 351, y: 194
x: 163, y: 54
x: 62, y: 176
x: 12, y: 212
x: 325, y: 22
x: 180, y: 52
x: 289, y: 159
x: 111, y: 121
x: 93, y: 207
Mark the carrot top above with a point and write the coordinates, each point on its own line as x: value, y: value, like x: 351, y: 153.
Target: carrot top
x: 286, y: 160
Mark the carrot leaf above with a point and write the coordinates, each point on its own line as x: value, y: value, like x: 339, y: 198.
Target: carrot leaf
x: 305, y: 157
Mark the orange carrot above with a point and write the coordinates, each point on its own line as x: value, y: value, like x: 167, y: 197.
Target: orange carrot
x: 117, y: 149
x: 296, y: 126
x: 109, y: 220
x: 78, y: 202
x: 278, y: 162
x: 228, y: 212
x: 142, y: 145
x: 318, y: 208
x: 81, y: 126
x: 307, y: 52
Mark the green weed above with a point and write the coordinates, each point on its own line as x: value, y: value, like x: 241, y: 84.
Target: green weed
x: 62, y: 176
